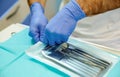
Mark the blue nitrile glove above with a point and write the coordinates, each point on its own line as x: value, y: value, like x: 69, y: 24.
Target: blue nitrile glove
x: 38, y: 21
x: 63, y: 24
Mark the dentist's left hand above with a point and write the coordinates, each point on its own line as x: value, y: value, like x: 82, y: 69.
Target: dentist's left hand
x: 61, y: 26
x: 38, y: 21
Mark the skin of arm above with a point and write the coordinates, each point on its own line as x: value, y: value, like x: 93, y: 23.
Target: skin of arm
x: 92, y: 7
x: 42, y: 2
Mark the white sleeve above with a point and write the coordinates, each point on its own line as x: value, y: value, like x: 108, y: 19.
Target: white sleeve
x: 102, y: 29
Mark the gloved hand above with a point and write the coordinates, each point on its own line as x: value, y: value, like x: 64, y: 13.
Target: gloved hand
x: 63, y: 24
x: 38, y: 21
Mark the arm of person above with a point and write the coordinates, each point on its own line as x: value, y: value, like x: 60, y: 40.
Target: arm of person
x: 38, y: 20
x: 42, y: 2
x: 61, y: 26
x: 92, y: 7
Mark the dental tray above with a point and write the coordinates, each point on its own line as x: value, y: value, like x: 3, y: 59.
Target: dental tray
x: 79, y: 60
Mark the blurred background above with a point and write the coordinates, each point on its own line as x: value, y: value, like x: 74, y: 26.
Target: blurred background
x: 13, y: 11
x: 17, y: 11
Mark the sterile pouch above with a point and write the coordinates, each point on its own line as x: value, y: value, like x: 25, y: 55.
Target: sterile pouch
x: 75, y: 58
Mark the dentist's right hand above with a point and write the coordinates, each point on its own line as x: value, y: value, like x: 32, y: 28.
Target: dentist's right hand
x: 38, y: 21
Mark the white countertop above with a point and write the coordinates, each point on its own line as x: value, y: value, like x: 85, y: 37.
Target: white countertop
x: 10, y: 30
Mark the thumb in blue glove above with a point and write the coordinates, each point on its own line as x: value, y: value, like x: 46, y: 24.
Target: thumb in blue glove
x: 38, y: 21
x: 63, y: 24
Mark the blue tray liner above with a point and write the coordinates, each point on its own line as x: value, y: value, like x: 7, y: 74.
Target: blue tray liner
x: 15, y: 63
x: 115, y: 72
